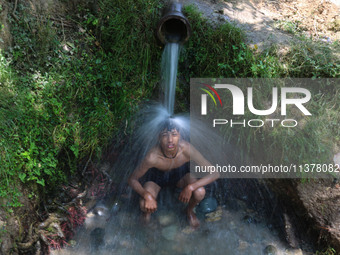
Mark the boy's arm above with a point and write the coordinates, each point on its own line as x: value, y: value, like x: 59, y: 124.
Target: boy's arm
x: 133, y: 181
x: 139, y: 172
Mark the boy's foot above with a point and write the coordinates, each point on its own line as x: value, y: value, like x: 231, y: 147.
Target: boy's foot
x: 193, y: 220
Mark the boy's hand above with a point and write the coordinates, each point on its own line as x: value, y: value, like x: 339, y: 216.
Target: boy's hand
x: 186, y: 194
x: 150, y: 203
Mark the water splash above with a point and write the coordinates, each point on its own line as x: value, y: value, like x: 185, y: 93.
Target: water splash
x: 146, y: 125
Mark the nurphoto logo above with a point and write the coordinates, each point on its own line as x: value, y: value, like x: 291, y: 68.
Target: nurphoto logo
x: 281, y: 97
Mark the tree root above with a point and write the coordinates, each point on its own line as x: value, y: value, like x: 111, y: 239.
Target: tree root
x: 38, y: 235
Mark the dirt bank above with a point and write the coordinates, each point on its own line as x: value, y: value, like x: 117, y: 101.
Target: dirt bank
x: 274, y: 23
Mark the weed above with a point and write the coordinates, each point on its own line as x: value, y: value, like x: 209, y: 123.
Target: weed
x: 327, y: 251
x: 288, y: 26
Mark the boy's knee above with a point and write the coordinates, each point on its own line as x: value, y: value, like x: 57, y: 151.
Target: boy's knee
x: 199, y: 193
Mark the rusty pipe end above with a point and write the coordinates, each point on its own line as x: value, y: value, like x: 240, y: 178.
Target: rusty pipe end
x: 173, y: 26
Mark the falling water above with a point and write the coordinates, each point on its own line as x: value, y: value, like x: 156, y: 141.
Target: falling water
x: 169, y: 75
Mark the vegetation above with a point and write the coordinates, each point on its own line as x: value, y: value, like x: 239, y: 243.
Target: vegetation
x: 65, y: 91
x: 67, y: 87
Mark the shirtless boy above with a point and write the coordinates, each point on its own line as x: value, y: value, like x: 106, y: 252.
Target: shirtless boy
x: 167, y: 164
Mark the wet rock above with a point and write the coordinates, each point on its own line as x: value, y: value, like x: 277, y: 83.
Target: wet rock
x: 182, y: 246
x: 236, y: 204
x: 151, y: 243
x: 242, y: 245
x: 101, y: 211
x: 250, y: 219
x: 270, y: 250
x: 170, y: 232
x: 295, y: 252
x: 214, y: 216
x: 188, y: 230
x: 207, y: 205
x: 126, y: 244
x: 97, y: 238
x: 145, y: 251
x: 241, y: 205
x: 166, y: 219
x: 290, y: 232
x: 232, y: 225
x: 97, y: 218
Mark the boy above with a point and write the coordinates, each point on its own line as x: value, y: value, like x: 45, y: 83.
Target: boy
x: 168, y: 164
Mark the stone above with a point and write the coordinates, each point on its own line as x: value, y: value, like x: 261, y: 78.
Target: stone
x: 214, y: 216
x: 188, y: 230
x: 97, y: 218
x: 295, y: 252
x: 165, y: 218
x: 207, y: 205
x: 250, y: 219
x: 242, y: 245
x: 126, y: 244
x: 145, y: 251
x: 97, y: 238
x: 170, y: 232
x: 232, y: 225
x: 270, y: 250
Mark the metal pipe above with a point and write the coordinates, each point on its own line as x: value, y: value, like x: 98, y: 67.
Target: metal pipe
x: 173, y: 26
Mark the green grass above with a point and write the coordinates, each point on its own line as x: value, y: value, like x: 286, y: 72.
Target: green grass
x: 64, y: 97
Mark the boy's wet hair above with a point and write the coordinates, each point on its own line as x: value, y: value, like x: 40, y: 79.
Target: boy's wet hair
x: 169, y: 124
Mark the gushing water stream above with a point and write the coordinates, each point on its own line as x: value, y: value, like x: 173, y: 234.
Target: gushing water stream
x: 169, y: 75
